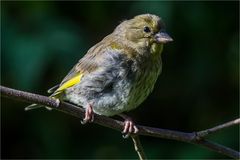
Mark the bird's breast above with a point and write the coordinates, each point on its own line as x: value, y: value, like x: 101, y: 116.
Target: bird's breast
x: 145, y: 79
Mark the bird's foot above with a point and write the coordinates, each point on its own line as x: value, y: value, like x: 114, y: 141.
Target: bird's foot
x: 89, y: 115
x: 129, y: 127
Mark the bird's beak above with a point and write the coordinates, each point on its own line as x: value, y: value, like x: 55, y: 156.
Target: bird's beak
x: 162, y: 37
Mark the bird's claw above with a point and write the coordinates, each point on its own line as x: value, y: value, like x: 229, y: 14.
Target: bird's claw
x: 129, y: 128
x: 89, y: 115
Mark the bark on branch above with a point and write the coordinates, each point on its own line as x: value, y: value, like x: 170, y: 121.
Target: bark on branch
x: 198, y: 138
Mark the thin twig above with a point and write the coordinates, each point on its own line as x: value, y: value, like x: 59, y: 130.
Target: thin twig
x: 118, y: 125
x: 138, y: 147
x: 206, y: 132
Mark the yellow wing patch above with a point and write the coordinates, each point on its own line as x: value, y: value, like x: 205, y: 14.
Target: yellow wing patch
x: 71, y: 82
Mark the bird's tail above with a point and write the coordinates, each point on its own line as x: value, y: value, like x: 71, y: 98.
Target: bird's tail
x: 55, y: 94
x: 35, y: 106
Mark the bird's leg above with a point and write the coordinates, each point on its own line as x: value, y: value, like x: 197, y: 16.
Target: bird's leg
x: 129, y: 126
x: 89, y: 115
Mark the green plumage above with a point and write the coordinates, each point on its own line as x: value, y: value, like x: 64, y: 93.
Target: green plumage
x: 118, y: 73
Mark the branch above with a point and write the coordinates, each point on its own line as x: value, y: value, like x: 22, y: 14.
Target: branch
x: 138, y: 147
x: 194, y: 137
x: 206, y: 132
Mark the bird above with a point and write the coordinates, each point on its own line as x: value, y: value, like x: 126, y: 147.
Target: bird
x: 117, y: 74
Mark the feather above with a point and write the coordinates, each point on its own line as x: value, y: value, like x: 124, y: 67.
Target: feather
x: 69, y: 83
x: 53, y: 89
x: 35, y: 106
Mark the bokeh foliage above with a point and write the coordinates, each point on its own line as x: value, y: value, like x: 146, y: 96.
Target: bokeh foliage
x: 198, y: 88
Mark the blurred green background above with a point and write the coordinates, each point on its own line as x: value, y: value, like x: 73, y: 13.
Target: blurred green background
x: 198, y: 88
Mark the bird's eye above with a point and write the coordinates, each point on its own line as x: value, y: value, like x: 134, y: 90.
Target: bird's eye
x: 146, y: 29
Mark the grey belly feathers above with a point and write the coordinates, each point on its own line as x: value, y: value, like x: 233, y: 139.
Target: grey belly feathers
x: 115, y: 87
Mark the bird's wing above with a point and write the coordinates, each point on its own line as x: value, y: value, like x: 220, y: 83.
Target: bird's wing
x: 85, y: 65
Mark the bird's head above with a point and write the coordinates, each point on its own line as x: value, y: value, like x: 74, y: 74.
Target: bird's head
x: 146, y: 31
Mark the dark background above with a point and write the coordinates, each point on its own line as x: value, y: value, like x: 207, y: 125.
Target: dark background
x: 198, y: 88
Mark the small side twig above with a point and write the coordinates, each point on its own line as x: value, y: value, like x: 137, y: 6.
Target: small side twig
x: 209, y: 131
x: 138, y: 147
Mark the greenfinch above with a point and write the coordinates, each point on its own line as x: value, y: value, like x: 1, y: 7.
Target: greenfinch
x: 117, y: 74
